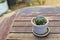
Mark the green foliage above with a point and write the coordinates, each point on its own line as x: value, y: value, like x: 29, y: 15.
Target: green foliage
x: 1, y: 1
x: 40, y: 20
x: 41, y: 2
x: 29, y: 4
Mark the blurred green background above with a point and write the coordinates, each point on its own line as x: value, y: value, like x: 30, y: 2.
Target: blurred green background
x: 25, y: 3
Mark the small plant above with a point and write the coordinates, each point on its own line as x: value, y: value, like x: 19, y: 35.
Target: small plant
x: 40, y: 26
x: 40, y: 20
x: 1, y: 1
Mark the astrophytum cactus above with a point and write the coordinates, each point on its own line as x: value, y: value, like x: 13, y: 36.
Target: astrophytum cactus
x: 40, y: 20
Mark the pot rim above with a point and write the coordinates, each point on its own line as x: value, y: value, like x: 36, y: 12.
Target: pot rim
x: 38, y: 25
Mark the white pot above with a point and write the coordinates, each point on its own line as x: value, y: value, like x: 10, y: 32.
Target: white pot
x: 39, y: 29
x: 3, y: 7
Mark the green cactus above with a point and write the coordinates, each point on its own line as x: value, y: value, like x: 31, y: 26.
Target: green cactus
x: 40, y: 20
x: 1, y: 1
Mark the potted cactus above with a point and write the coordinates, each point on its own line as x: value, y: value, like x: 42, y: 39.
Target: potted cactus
x: 39, y: 24
x: 3, y: 6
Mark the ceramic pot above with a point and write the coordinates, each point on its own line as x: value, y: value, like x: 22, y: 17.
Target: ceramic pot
x: 39, y: 29
x: 3, y: 7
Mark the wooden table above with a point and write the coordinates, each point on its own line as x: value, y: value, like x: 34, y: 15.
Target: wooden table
x: 22, y: 29
x: 6, y: 21
x: 17, y: 25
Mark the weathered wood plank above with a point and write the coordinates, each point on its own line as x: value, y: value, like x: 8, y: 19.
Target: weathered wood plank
x: 53, y: 30
x: 5, y: 26
x: 36, y: 14
x: 28, y: 23
x: 29, y: 18
x: 30, y: 36
x: 1, y: 33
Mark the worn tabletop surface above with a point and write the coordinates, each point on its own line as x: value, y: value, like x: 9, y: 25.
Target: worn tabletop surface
x: 22, y: 28
x: 6, y: 20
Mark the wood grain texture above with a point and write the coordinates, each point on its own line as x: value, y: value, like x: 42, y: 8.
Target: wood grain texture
x: 29, y: 18
x: 5, y: 26
x: 53, y: 30
x: 30, y: 36
x: 36, y: 14
x: 28, y: 23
